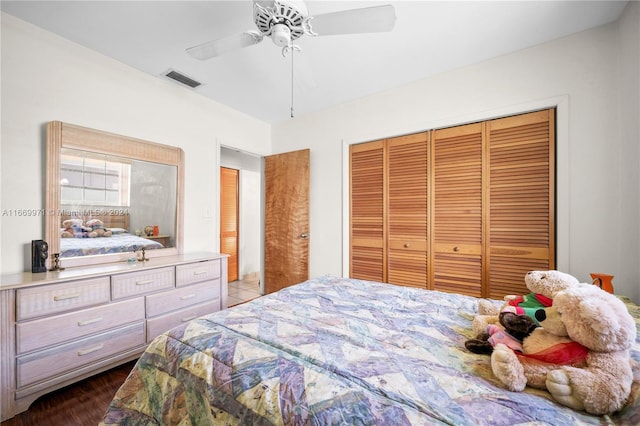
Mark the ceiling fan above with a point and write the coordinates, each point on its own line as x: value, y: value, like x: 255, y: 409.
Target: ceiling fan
x: 287, y: 20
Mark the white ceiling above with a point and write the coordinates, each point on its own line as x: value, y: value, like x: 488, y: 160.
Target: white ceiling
x: 429, y: 37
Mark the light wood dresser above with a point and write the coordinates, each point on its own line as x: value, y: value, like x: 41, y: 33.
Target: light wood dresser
x: 61, y: 327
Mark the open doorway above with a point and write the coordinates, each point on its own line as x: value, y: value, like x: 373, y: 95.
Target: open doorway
x: 245, y: 269
x: 230, y: 219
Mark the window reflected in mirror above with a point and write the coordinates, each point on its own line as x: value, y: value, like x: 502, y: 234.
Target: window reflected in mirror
x: 89, y: 178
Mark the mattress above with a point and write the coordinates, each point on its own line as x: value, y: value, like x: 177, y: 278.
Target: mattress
x: 117, y: 243
x: 336, y: 351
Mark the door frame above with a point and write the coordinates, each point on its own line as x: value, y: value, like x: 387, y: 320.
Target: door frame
x: 560, y: 103
x: 237, y: 212
x: 217, y: 165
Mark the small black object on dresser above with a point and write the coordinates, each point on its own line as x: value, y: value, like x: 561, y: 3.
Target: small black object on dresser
x: 39, y: 254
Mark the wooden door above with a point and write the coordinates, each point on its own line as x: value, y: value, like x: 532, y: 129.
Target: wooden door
x: 286, y: 245
x: 456, y: 209
x: 367, y: 205
x: 407, y: 209
x: 521, y: 199
x: 229, y: 215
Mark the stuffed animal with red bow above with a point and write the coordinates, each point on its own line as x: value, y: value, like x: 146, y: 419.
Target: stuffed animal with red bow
x: 580, y: 354
x: 544, y: 285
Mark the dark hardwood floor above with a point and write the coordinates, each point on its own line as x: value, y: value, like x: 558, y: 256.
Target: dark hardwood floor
x: 81, y: 404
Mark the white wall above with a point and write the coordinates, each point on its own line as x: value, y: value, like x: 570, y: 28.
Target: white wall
x: 153, y: 198
x: 629, y: 161
x: 597, y: 141
x: 251, y: 221
x: 46, y: 78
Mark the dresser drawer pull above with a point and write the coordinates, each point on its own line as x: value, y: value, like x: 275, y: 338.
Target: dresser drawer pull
x: 91, y: 321
x: 188, y: 318
x: 188, y: 296
x: 90, y: 350
x: 66, y: 297
x: 203, y: 271
x: 144, y: 282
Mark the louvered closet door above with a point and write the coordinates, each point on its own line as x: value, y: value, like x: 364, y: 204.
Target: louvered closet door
x: 521, y: 199
x: 367, y: 211
x: 457, y: 209
x: 407, y: 226
x: 229, y: 179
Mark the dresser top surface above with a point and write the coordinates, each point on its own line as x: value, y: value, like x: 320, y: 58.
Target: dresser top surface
x: 26, y: 279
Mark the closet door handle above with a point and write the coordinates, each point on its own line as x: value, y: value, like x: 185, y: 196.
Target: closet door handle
x: 304, y: 235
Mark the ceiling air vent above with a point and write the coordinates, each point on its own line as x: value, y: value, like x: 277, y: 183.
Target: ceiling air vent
x: 181, y: 78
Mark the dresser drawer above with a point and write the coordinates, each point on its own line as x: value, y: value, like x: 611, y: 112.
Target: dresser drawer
x: 56, y: 298
x: 44, y: 332
x: 137, y: 283
x: 161, y: 303
x: 47, y: 364
x: 196, y: 272
x: 157, y: 326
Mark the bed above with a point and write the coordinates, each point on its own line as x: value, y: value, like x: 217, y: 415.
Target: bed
x: 336, y: 351
x: 116, y: 243
x: 114, y: 219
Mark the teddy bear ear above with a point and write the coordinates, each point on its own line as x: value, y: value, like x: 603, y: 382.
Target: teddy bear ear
x: 594, y: 320
x: 593, y: 313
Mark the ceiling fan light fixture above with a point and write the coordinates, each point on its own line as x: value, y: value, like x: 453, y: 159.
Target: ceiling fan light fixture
x: 281, y: 35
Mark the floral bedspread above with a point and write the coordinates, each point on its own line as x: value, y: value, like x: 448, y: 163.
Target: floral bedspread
x: 335, y: 351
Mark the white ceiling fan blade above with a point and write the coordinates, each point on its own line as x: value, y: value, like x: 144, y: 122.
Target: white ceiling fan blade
x: 223, y: 45
x: 366, y: 20
x: 264, y: 3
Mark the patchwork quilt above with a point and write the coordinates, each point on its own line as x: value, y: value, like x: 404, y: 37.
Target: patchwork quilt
x: 117, y: 243
x: 335, y: 351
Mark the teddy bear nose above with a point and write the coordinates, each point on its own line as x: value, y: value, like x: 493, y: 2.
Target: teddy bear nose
x: 541, y: 315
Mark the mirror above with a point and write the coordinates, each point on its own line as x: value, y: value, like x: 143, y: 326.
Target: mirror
x: 109, y: 196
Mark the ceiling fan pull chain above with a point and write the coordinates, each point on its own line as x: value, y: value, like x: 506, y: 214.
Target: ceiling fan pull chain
x: 292, y: 81
x: 291, y: 48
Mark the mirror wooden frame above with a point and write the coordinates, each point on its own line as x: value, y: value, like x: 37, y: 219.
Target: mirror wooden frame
x: 63, y: 135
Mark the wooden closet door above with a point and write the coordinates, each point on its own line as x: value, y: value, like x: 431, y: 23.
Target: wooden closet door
x: 367, y: 206
x: 407, y: 210
x: 521, y: 199
x: 456, y: 212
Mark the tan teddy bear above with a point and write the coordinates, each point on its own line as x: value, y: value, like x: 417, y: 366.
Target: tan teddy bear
x: 544, y: 285
x: 72, y: 228
x: 97, y: 229
x: 591, y: 369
